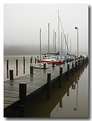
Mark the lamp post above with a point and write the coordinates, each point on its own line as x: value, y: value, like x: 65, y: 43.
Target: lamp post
x: 40, y: 43
x: 77, y: 42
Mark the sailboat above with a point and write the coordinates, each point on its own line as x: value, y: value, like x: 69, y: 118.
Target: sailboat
x: 51, y: 58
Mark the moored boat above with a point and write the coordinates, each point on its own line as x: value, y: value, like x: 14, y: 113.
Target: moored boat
x: 51, y: 58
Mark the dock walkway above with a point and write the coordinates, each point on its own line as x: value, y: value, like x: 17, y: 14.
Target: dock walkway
x: 33, y: 82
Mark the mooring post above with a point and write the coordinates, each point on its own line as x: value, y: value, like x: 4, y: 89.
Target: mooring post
x: 35, y: 60
x: 83, y: 61
x: 16, y: 67
x: 68, y: 92
x: 68, y: 71
x: 60, y: 79
x: 72, y: 68
x: 79, y: 63
x: 48, y: 85
x: 22, y: 90
x: 7, y: 68
x: 11, y: 74
x: 44, y: 66
x: 76, y: 65
x: 53, y: 65
x: 31, y: 69
x: 31, y: 60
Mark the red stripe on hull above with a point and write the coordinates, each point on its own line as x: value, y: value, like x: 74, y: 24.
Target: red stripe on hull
x: 51, y: 62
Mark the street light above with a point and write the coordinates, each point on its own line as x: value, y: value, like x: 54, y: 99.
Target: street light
x: 77, y: 42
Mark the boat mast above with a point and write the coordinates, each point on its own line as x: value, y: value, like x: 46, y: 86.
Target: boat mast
x: 61, y: 48
x: 55, y: 42
x: 70, y: 45
x: 40, y: 43
x: 58, y: 33
x: 64, y: 34
x: 67, y: 41
x: 48, y: 37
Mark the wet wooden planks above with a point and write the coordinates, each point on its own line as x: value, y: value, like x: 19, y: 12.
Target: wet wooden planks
x: 33, y: 81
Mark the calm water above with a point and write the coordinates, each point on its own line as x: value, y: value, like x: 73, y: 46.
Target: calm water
x: 76, y: 104
x: 69, y: 102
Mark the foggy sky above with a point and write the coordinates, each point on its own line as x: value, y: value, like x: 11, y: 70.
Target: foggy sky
x: 22, y: 23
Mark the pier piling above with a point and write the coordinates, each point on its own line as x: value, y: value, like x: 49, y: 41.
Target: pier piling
x: 76, y: 65
x: 44, y: 66
x: 22, y: 90
x: 68, y: 71
x: 31, y: 60
x: 72, y: 68
x: 11, y: 74
x: 7, y: 68
x: 53, y: 65
x: 60, y: 79
x: 23, y: 65
x: 16, y: 67
x: 31, y: 69
x: 35, y: 60
x: 79, y: 63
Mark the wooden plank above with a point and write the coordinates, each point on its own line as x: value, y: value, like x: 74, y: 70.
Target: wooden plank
x: 11, y: 95
x: 13, y: 99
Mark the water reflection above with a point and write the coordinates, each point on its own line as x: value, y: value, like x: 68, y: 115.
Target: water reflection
x: 76, y: 103
x: 60, y: 103
x: 73, y: 85
x: 68, y: 92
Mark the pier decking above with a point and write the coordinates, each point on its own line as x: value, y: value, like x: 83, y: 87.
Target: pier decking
x: 33, y: 82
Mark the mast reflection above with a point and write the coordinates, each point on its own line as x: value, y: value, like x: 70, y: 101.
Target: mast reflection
x: 60, y: 103
x: 76, y: 103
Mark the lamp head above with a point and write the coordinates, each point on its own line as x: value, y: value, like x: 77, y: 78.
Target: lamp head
x: 76, y: 27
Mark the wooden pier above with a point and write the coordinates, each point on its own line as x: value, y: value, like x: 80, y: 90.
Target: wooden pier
x: 20, y: 88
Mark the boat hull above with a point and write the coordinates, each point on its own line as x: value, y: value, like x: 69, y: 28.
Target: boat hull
x: 51, y: 62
